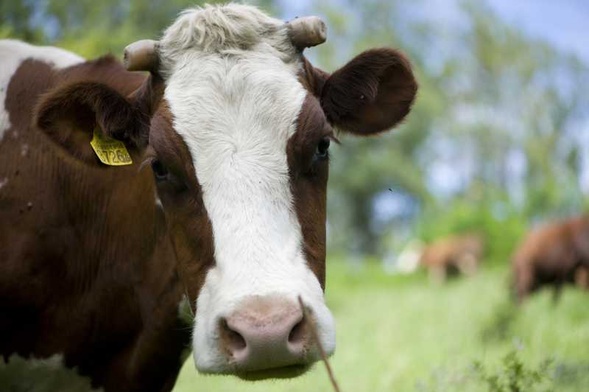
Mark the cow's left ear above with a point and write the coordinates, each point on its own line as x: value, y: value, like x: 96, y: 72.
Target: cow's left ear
x: 70, y: 113
x: 80, y: 107
x: 370, y: 94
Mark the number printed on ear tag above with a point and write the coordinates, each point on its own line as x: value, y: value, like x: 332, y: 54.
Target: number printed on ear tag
x: 110, y: 151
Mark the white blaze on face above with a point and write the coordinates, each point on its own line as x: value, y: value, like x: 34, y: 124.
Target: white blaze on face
x: 236, y: 111
x: 13, y: 54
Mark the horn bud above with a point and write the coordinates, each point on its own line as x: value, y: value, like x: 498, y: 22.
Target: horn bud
x: 141, y: 56
x: 307, y: 31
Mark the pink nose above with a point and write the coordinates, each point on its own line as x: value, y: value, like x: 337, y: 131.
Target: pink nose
x: 265, y: 333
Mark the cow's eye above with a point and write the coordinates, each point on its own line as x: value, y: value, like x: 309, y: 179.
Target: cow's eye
x: 322, y: 148
x: 160, y: 172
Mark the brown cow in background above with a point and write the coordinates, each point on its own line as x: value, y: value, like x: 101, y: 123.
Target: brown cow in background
x: 451, y: 255
x: 553, y: 254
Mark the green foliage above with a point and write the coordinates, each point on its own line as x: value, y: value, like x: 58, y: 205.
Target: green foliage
x: 500, y: 223
x: 516, y: 376
x: 570, y: 373
x: 17, y: 16
x: 40, y: 375
x: 93, y: 28
x: 470, y: 117
x: 399, y: 333
x: 489, y: 97
x: 6, y: 31
x: 499, y: 327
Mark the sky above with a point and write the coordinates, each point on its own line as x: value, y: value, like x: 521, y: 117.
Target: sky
x: 564, y: 23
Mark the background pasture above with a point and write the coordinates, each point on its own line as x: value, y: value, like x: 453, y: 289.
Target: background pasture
x: 498, y: 141
x: 398, y: 333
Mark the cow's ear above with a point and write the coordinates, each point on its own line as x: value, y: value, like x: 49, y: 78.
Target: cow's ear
x: 70, y: 114
x: 370, y: 94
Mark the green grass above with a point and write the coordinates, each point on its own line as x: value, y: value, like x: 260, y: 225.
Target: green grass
x: 40, y: 375
x: 399, y: 333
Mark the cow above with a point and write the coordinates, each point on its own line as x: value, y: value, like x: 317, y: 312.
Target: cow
x: 552, y: 255
x: 203, y: 177
x: 459, y: 253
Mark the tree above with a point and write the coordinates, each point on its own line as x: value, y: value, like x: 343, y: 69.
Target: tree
x: 495, y: 125
x: 92, y: 28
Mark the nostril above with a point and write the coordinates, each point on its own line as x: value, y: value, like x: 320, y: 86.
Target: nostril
x: 298, y: 333
x: 232, y: 339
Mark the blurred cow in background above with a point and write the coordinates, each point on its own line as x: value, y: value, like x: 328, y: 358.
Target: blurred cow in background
x: 452, y: 255
x: 446, y: 256
x: 553, y: 254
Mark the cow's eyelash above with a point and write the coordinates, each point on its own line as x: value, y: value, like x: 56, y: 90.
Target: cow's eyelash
x: 148, y: 161
x: 333, y: 138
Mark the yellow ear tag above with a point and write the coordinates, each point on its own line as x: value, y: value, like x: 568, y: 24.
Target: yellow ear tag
x: 110, y: 151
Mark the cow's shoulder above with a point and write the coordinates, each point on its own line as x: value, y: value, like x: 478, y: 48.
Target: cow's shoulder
x: 15, y: 52
x: 106, y: 70
x: 25, y: 72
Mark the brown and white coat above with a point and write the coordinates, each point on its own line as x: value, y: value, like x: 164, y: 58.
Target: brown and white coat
x: 235, y: 124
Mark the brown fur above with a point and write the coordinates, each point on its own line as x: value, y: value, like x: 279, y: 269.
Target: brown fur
x: 309, y: 182
x: 453, y: 254
x: 552, y: 255
x: 89, y: 265
x: 75, y: 276
x: 371, y: 93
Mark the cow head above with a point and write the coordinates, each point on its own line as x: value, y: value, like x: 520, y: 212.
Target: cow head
x: 241, y: 124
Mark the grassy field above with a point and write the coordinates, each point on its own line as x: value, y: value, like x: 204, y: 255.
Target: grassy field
x: 398, y: 333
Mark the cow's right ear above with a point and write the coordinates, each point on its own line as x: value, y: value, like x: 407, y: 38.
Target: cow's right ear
x: 370, y: 94
x: 71, y: 113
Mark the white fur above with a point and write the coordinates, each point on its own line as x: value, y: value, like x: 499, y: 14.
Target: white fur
x: 232, y: 86
x: 408, y: 260
x: 12, y: 55
x: 158, y: 201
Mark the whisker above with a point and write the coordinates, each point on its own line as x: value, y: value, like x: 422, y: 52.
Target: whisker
x: 313, y: 327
